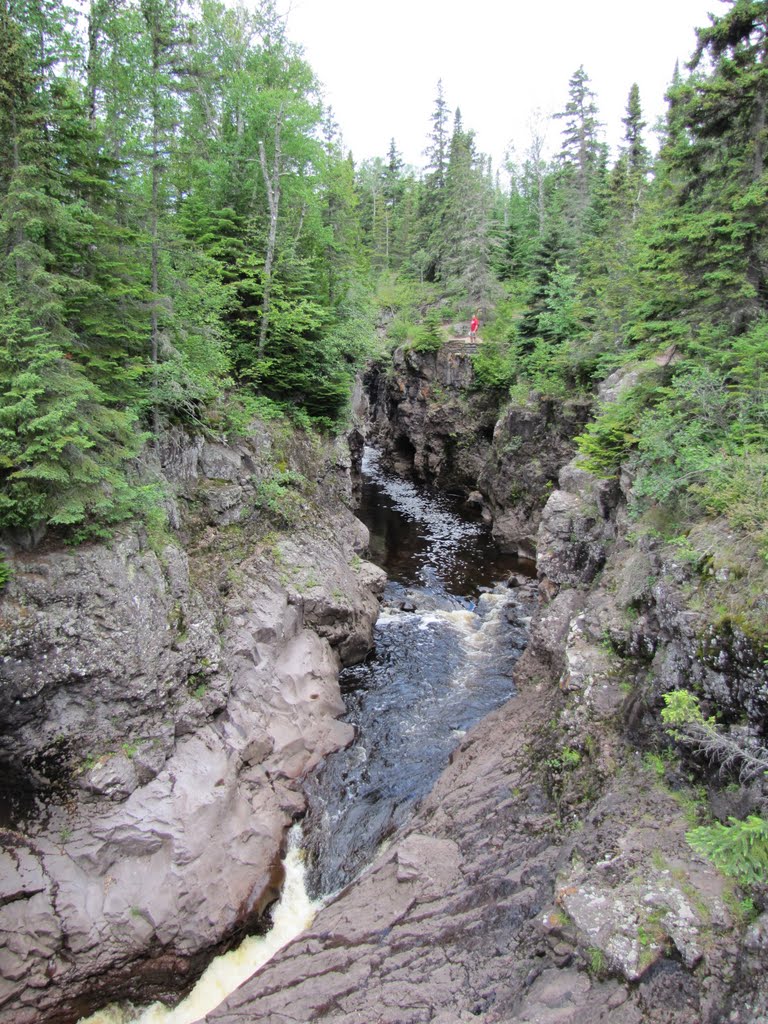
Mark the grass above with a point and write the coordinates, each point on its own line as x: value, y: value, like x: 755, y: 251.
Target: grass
x: 596, y: 961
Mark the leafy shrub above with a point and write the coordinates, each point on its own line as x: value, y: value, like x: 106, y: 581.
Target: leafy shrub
x: 546, y: 367
x: 736, y: 487
x: 681, y: 707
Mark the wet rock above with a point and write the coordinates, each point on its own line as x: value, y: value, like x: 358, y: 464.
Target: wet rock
x: 428, y: 419
x: 530, y: 445
x: 615, y: 921
x: 446, y: 922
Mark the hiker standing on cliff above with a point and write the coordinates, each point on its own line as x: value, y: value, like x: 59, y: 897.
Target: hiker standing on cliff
x: 475, y: 323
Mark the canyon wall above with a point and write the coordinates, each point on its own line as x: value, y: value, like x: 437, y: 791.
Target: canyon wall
x: 547, y: 878
x: 161, y: 697
x: 181, y: 690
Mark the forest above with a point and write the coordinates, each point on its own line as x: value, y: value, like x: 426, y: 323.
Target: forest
x: 186, y: 241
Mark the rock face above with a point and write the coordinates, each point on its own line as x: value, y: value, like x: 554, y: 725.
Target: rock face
x: 427, y: 418
x: 487, y: 907
x: 430, y: 421
x: 547, y: 878
x: 530, y: 445
x: 158, y: 712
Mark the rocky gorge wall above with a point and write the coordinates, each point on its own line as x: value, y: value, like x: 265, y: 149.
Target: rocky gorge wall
x: 432, y: 422
x: 160, y: 700
x: 547, y: 878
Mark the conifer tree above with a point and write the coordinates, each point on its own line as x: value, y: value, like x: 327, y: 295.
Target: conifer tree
x: 62, y: 447
x: 465, y: 238
x: 583, y: 156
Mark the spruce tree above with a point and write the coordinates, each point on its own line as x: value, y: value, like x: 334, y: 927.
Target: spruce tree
x: 583, y: 155
x: 465, y: 238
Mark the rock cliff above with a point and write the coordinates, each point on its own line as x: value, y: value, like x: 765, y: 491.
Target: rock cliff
x: 547, y: 878
x: 431, y: 421
x: 427, y: 417
x: 161, y: 698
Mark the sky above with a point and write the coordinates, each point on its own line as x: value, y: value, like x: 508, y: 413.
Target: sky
x: 499, y: 61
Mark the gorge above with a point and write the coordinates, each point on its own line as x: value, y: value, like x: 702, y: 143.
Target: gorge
x: 545, y: 877
x: 529, y: 760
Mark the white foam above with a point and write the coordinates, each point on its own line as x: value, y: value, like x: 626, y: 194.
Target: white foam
x: 292, y: 915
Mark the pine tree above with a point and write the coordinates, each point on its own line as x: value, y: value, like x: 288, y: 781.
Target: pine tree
x: 465, y: 230
x: 583, y: 156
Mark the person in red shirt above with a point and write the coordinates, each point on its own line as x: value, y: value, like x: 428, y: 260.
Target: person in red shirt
x: 473, y: 327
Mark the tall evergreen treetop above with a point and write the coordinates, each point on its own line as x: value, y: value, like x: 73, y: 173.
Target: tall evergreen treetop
x: 714, y: 170
x: 638, y: 157
x: 437, y: 150
x: 581, y: 134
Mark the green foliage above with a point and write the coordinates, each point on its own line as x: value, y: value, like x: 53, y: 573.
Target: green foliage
x: 565, y: 760
x: 681, y: 707
x: 736, y: 487
x: 685, y: 722
x: 430, y: 336
x: 282, y: 496
x: 185, y: 240
x: 657, y: 763
x: 608, y: 440
x: 495, y: 365
x: 64, y: 453
x: 596, y: 960
x: 739, y: 850
x: 6, y: 572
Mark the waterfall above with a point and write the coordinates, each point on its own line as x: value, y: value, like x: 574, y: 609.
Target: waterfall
x: 294, y: 912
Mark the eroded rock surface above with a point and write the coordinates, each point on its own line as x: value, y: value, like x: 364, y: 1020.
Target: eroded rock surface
x: 487, y: 908
x: 547, y: 878
x: 159, y: 710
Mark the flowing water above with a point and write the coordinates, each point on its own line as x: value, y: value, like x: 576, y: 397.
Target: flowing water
x: 445, y: 646
x: 446, y: 643
x: 292, y: 915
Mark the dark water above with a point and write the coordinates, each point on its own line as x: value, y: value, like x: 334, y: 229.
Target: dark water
x: 439, y: 666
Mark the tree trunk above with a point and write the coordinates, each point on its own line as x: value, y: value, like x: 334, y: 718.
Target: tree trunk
x: 272, y: 184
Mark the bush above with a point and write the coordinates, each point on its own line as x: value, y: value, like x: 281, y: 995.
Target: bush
x: 608, y: 440
x: 430, y: 336
x: 739, y: 850
x: 494, y: 365
x: 282, y: 496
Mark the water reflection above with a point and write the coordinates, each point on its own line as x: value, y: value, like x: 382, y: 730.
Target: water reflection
x: 425, y: 538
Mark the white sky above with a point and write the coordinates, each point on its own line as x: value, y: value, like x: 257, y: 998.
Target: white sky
x: 499, y: 60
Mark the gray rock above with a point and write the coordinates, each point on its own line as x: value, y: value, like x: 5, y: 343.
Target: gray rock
x: 167, y: 723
